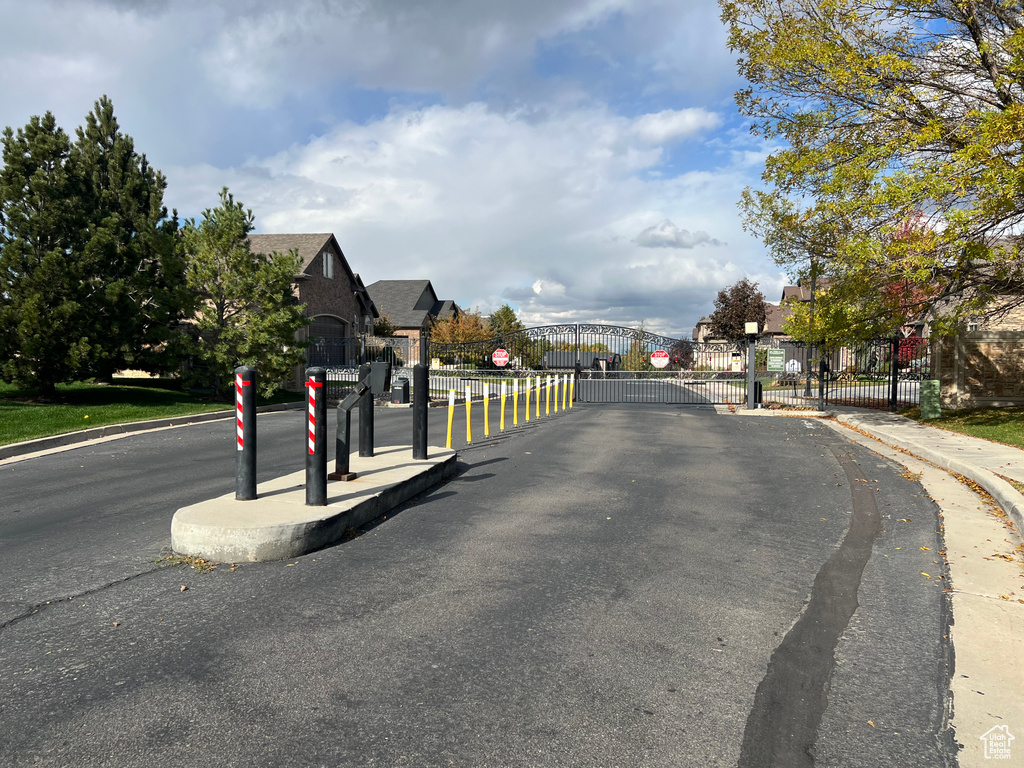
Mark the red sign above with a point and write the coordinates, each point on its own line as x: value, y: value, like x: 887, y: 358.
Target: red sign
x: 500, y: 358
x: 659, y: 358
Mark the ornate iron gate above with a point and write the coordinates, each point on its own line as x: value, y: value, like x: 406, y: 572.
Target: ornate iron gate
x: 611, y: 364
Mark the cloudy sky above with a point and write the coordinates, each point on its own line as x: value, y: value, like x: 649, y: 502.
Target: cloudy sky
x: 578, y: 159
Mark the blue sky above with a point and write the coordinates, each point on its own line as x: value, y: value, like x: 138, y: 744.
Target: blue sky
x: 579, y: 159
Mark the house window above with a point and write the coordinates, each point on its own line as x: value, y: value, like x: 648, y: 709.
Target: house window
x: 328, y: 261
x: 973, y: 325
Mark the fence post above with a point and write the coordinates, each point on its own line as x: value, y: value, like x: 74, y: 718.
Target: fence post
x: 420, y: 400
x: 316, y: 439
x: 245, y: 437
x: 365, y: 417
x: 822, y: 370
x: 894, y: 372
x: 751, y: 361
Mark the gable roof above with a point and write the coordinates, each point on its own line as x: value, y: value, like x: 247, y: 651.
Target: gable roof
x: 408, y: 303
x: 308, y: 245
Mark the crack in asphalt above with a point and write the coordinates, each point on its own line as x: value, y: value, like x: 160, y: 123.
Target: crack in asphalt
x: 38, y: 608
x: 783, y: 724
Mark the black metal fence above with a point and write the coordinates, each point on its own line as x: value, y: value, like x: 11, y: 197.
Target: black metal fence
x: 611, y: 364
x: 881, y: 373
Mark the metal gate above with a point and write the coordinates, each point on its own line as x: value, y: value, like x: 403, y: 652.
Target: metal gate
x: 610, y: 364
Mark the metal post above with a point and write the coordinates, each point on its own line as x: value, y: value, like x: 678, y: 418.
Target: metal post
x: 342, y: 446
x: 420, y: 398
x: 751, y: 355
x: 316, y: 439
x: 245, y: 433
x: 894, y: 373
x: 821, y: 379
x: 365, y: 417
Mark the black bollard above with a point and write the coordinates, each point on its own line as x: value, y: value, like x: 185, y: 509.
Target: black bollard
x: 420, y: 396
x: 316, y: 438
x: 365, y: 417
x: 245, y: 437
x: 343, y: 446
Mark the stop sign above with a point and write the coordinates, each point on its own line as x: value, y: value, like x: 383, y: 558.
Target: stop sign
x: 500, y: 358
x: 659, y: 358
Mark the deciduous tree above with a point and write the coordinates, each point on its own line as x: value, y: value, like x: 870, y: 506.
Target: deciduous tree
x: 884, y: 112
x: 735, y: 306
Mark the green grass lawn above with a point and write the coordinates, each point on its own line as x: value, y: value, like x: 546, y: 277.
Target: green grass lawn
x: 84, y: 404
x: 1003, y: 425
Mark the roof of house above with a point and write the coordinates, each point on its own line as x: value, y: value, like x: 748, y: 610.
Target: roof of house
x: 774, y: 317
x: 309, y: 245
x: 409, y: 303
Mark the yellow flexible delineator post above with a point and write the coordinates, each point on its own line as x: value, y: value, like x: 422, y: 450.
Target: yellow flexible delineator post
x: 451, y: 415
x: 504, y: 394
x: 555, y: 384
x: 547, y: 400
x: 487, y: 409
x: 572, y: 390
x: 538, y: 397
x: 469, y: 420
x: 528, y: 399
x: 565, y: 387
x: 515, y: 403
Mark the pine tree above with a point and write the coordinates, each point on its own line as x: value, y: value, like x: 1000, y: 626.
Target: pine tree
x: 247, y: 313
x: 44, y: 336
x: 135, y: 284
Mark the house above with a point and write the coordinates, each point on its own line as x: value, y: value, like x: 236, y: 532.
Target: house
x: 335, y: 297
x: 411, y: 306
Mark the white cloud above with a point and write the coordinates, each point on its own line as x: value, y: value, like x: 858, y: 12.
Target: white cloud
x: 493, y: 207
x: 674, y: 124
x: 665, y: 234
x: 492, y: 147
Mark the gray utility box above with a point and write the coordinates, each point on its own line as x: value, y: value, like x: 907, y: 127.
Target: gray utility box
x: 400, y: 391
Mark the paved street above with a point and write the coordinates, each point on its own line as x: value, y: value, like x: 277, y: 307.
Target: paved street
x: 633, y: 585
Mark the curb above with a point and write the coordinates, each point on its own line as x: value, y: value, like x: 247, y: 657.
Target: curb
x: 1005, y: 495
x: 278, y: 525
x: 82, y: 436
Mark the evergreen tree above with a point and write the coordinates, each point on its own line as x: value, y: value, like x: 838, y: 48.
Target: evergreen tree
x: 503, y: 321
x: 90, y: 280
x: 247, y: 312
x: 135, y: 276
x: 44, y: 336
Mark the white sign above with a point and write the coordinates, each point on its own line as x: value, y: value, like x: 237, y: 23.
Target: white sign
x: 500, y: 358
x: 659, y: 358
x: 997, y: 742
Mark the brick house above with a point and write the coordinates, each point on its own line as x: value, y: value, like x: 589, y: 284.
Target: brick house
x: 411, y: 306
x: 335, y: 297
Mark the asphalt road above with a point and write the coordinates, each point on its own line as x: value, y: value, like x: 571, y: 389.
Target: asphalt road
x: 619, y: 586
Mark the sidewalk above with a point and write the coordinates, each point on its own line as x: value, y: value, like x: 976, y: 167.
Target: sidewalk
x: 982, y: 461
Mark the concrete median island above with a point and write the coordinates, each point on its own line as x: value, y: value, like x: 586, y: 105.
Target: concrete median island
x: 278, y: 524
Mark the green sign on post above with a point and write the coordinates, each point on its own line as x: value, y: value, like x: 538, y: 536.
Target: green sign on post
x: 776, y: 359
